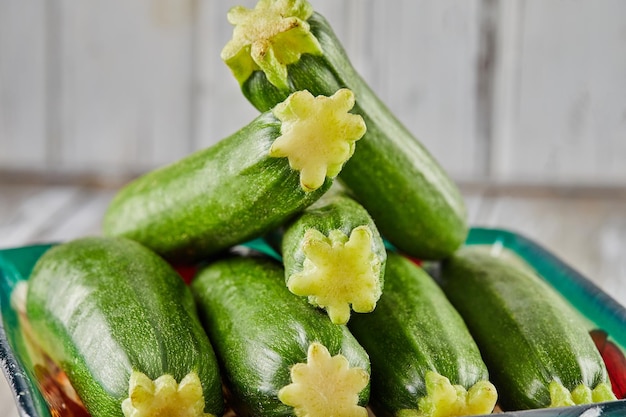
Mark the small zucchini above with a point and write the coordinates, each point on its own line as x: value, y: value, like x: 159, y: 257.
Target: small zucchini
x: 424, y: 360
x: 334, y: 255
x: 536, y: 346
x: 245, y: 185
x: 123, y: 326
x: 279, y: 355
x: 284, y: 46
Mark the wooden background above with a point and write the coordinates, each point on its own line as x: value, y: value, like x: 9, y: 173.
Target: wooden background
x: 523, y: 102
x: 500, y: 91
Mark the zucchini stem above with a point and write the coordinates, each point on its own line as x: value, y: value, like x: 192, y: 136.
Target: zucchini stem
x: 269, y: 37
x: 325, y: 386
x: 560, y: 396
x: 163, y: 397
x: 318, y: 134
x: 339, y: 271
x: 444, y: 399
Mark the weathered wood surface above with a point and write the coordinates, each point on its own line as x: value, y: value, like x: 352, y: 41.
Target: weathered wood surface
x: 586, y: 229
x: 506, y: 90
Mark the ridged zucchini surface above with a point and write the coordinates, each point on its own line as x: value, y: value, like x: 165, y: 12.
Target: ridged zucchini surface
x: 535, y: 344
x: 123, y: 326
x: 279, y: 355
x: 424, y: 360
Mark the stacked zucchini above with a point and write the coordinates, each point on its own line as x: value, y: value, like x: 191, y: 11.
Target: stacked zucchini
x: 347, y: 197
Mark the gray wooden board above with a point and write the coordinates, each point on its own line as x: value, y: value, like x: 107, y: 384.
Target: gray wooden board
x: 491, y: 88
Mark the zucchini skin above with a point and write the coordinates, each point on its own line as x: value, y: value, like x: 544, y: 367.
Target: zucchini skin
x: 212, y: 199
x: 415, y: 204
x: 260, y: 330
x: 527, y: 333
x: 104, y: 307
x: 414, y: 329
x: 335, y: 211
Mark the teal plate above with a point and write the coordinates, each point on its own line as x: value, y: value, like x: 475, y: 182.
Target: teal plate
x: 606, y: 320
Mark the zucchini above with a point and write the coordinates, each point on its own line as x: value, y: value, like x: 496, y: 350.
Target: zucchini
x: 536, y: 346
x: 279, y: 47
x: 123, y: 326
x: 424, y: 360
x: 334, y: 255
x: 279, y: 355
x: 243, y: 186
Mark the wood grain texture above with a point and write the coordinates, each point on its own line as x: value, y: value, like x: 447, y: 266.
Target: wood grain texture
x: 511, y: 91
x: 561, y: 91
x: 219, y: 107
x: 589, y: 234
x: 131, y: 86
x: 420, y: 58
x: 23, y: 83
x: 125, y: 83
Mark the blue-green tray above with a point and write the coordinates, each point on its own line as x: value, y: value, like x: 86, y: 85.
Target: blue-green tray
x: 604, y: 316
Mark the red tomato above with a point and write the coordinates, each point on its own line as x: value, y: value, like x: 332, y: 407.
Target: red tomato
x: 614, y: 359
x: 186, y: 272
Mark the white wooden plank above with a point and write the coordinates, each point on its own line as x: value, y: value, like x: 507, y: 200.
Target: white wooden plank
x: 567, y: 99
x: 426, y: 55
x: 22, y: 82
x: 347, y: 18
x: 85, y: 218
x: 506, y: 88
x: 126, y: 83
x: 130, y: 85
x: 588, y: 234
x: 220, y: 107
x: 11, y: 197
x: 351, y: 22
x: 473, y: 203
x: 34, y: 214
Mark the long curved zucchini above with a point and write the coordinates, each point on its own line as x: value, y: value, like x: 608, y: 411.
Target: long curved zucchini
x: 284, y: 46
x: 334, y: 255
x: 424, y: 360
x: 243, y: 186
x: 123, y: 326
x: 280, y: 356
x: 536, y: 346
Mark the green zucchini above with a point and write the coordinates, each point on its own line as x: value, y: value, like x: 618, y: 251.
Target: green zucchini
x: 535, y: 344
x: 279, y: 47
x: 243, y: 186
x: 424, y: 360
x: 123, y: 326
x: 279, y: 355
x: 334, y: 255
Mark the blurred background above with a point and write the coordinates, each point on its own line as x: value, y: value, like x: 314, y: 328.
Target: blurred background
x: 508, y: 92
